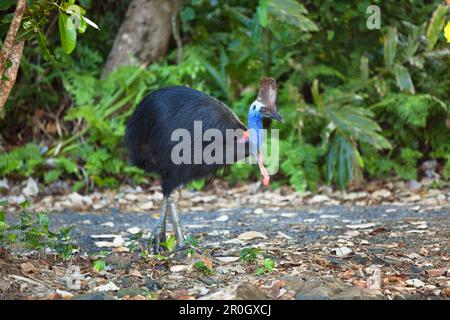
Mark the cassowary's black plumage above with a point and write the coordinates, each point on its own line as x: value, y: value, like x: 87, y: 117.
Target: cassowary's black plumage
x: 149, y: 130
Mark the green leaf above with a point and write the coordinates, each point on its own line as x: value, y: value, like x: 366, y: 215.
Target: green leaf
x: 390, y: 46
x: 404, y: 81
x: 43, y: 46
x: 187, y: 14
x: 160, y: 257
x: 25, y: 205
x: 52, y: 175
x: 67, y: 33
x: 435, y: 26
x: 12, y: 237
x: 293, y: 13
x: 5, y: 4
x: 83, y: 25
x: 262, y: 13
x: 342, y: 161
x: 318, y: 101
x: 364, y: 68
x: 260, y: 271
x: 201, y: 266
x: 171, y: 243
x: 43, y: 219
x: 99, y: 265
x: 249, y: 255
x: 269, y: 264
x: 413, y: 40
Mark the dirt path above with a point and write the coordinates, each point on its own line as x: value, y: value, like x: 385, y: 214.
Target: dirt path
x: 329, y: 252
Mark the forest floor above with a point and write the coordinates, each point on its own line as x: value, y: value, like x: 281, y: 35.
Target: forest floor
x: 385, y: 241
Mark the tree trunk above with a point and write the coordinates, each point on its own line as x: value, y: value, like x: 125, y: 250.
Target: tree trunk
x: 11, y: 50
x: 144, y: 35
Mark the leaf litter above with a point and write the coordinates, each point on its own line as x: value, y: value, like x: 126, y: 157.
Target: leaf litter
x: 354, y: 259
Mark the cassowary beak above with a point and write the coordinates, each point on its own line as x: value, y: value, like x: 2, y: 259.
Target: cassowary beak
x: 269, y: 113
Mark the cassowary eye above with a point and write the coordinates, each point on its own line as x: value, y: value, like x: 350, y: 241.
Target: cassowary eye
x: 254, y: 107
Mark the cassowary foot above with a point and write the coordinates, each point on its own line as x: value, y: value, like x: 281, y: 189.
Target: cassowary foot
x: 158, y: 234
x: 179, y: 234
x: 157, y: 237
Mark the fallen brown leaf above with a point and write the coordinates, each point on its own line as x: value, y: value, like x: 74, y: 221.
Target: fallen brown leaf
x: 436, y: 272
x: 135, y: 273
x: 180, y: 295
x: 27, y: 267
x: 347, y: 274
x: 446, y: 292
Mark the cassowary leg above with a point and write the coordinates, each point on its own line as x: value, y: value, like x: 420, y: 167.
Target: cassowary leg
x: 159, y: 231
x: 264, y: 171
x: 176, y: 220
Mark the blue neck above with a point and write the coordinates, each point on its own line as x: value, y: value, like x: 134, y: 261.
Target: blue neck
x: 256, y: 136
x: 254, y: 121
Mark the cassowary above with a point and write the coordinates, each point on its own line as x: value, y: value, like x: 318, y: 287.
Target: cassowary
x: 150, y: 143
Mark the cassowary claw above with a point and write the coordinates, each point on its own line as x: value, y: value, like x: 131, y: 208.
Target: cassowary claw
x: 157, y: 237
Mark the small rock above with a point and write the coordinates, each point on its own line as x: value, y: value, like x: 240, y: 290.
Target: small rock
x: 134, y: 230
x: 317, y: 293
x: 423, y: 252
x: 413, y: 198
x: 289, y: 215
x: 131, y: 291
x: 355, y: 293
x: 64, y: 294
x: 251, y: 235
x: 93, y: 296
x: 355, y: 196
x: 374, y: 281
x: 258, y: 211
x: 249, y: 292
x: 223, y: 218
x: 4, y: 184
x: 381, y: 194
x: 109, y: 224
x: 110, y: 286
x: 16, y: 200
x: 415, y: 283
x: 152, y: 285
x: 414, y: 185
x: 73, y: 277
x: 31, y: 189
x: 352, y: 233
x: 227, y: 259
x: 131, y: 197
x: 361, y: 226
x: 283, y: 235
x: 148, y: 205
x: 426, y: 182
x: 228, y: 293
x: 341, y: 251
x: 198, y: 291
x: 320, y: 198
x: 178, y: 268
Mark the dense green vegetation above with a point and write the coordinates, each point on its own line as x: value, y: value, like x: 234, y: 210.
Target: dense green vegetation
x: 32, y: 232
x: 358, y: 103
